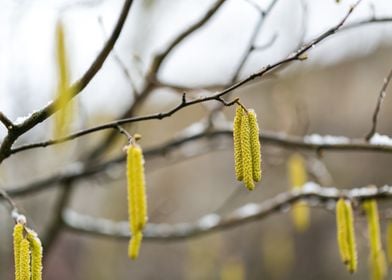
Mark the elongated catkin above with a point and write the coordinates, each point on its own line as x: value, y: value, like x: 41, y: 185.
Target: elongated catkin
x: 255, y: 145
x: 389, y: 242
x: 297, y: 170
x: 18, y: 237
x: 239, y: 171
x: 346, y: 234
x: 377, y: 257
x: 137, y: 204
x: 36, y: 255
x: 342, y: 230
x: 246, y: 153
x: 24, y: 260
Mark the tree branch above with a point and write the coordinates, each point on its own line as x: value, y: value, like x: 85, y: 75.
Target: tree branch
x: 376, y: 112
x: 320, y: 196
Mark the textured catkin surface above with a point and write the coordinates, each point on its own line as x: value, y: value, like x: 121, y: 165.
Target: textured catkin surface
x: 246, y: 152
x: 137, y: 204
x: 239, y: 171
x: 342, y: 229
x: 352, y: 265
x: 36, y: 256
x: 255, y: 146
x: 25, y: 260
x: 18, y: 237
x: 377, y: 260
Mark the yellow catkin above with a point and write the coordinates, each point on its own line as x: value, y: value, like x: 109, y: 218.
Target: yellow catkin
x: 389, y: 242
x: 18, y: 237
x: 24, y: 260
x: 353, y: 262
x: 237, y: 143
x: 134, y: 245
x: 297, y: 170
x: 255, y: 145
x: 137, y: 204
x: 36, y: 255
x: 64, y: 92
x: 377, y: 257
x: 301, y: 215
x: 342, y: 230
x: 246, y: 153
x: 346, y: 234
x: 298, y: 177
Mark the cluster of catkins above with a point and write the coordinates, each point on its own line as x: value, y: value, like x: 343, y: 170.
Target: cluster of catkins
x: 346, y: 237
x: 27, y: 253
x: 247, y: 155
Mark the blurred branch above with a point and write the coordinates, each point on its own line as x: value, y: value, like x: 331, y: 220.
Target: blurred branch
x: 77, y: 87
x: 380, y: 99
x: 12, y: 205
x: 316, y: 195
x: 79, y: 171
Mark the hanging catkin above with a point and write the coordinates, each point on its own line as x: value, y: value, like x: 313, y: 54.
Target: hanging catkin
x: 346, y: 234
x: 137, y: 204
x: 255, y: 145
x: 237, y: 143
x: 377, y: 257
x: 18, y: 237
x: 36, y: 255
x: 298, y: 177
x: 247, y: 155
x: 24, y: 260
x: 389, y: 242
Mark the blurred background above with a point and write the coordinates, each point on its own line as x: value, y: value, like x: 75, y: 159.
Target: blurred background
x: 333, y: 92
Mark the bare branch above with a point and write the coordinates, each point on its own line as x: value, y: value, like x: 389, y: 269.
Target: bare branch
x: 319, y: 197
x: 376, y: 112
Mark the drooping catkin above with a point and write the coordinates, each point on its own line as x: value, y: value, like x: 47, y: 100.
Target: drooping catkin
x: 18, y: 237
x: 237, y: 143
x: 247, y: 163
x: 377, y: 257
x: 64, y: 92
x: 297, y: 170
x: 255, y: 145
x: 346, y: 234
x: 298, y: 177
x: 389, y: 242
x: 137, y: 204
x: 24, y: 261
x: 36, y: 255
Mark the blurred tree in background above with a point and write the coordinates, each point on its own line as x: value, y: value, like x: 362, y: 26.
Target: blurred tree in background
x: 80, y: 78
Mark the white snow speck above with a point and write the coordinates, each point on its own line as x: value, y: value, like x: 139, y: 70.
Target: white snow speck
x: 317, y: 139
x: 209, y: 221
x: 378, y: 139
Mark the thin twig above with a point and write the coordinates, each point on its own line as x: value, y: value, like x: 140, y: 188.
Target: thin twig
x: 319, y: 196
x: 376, y: 112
